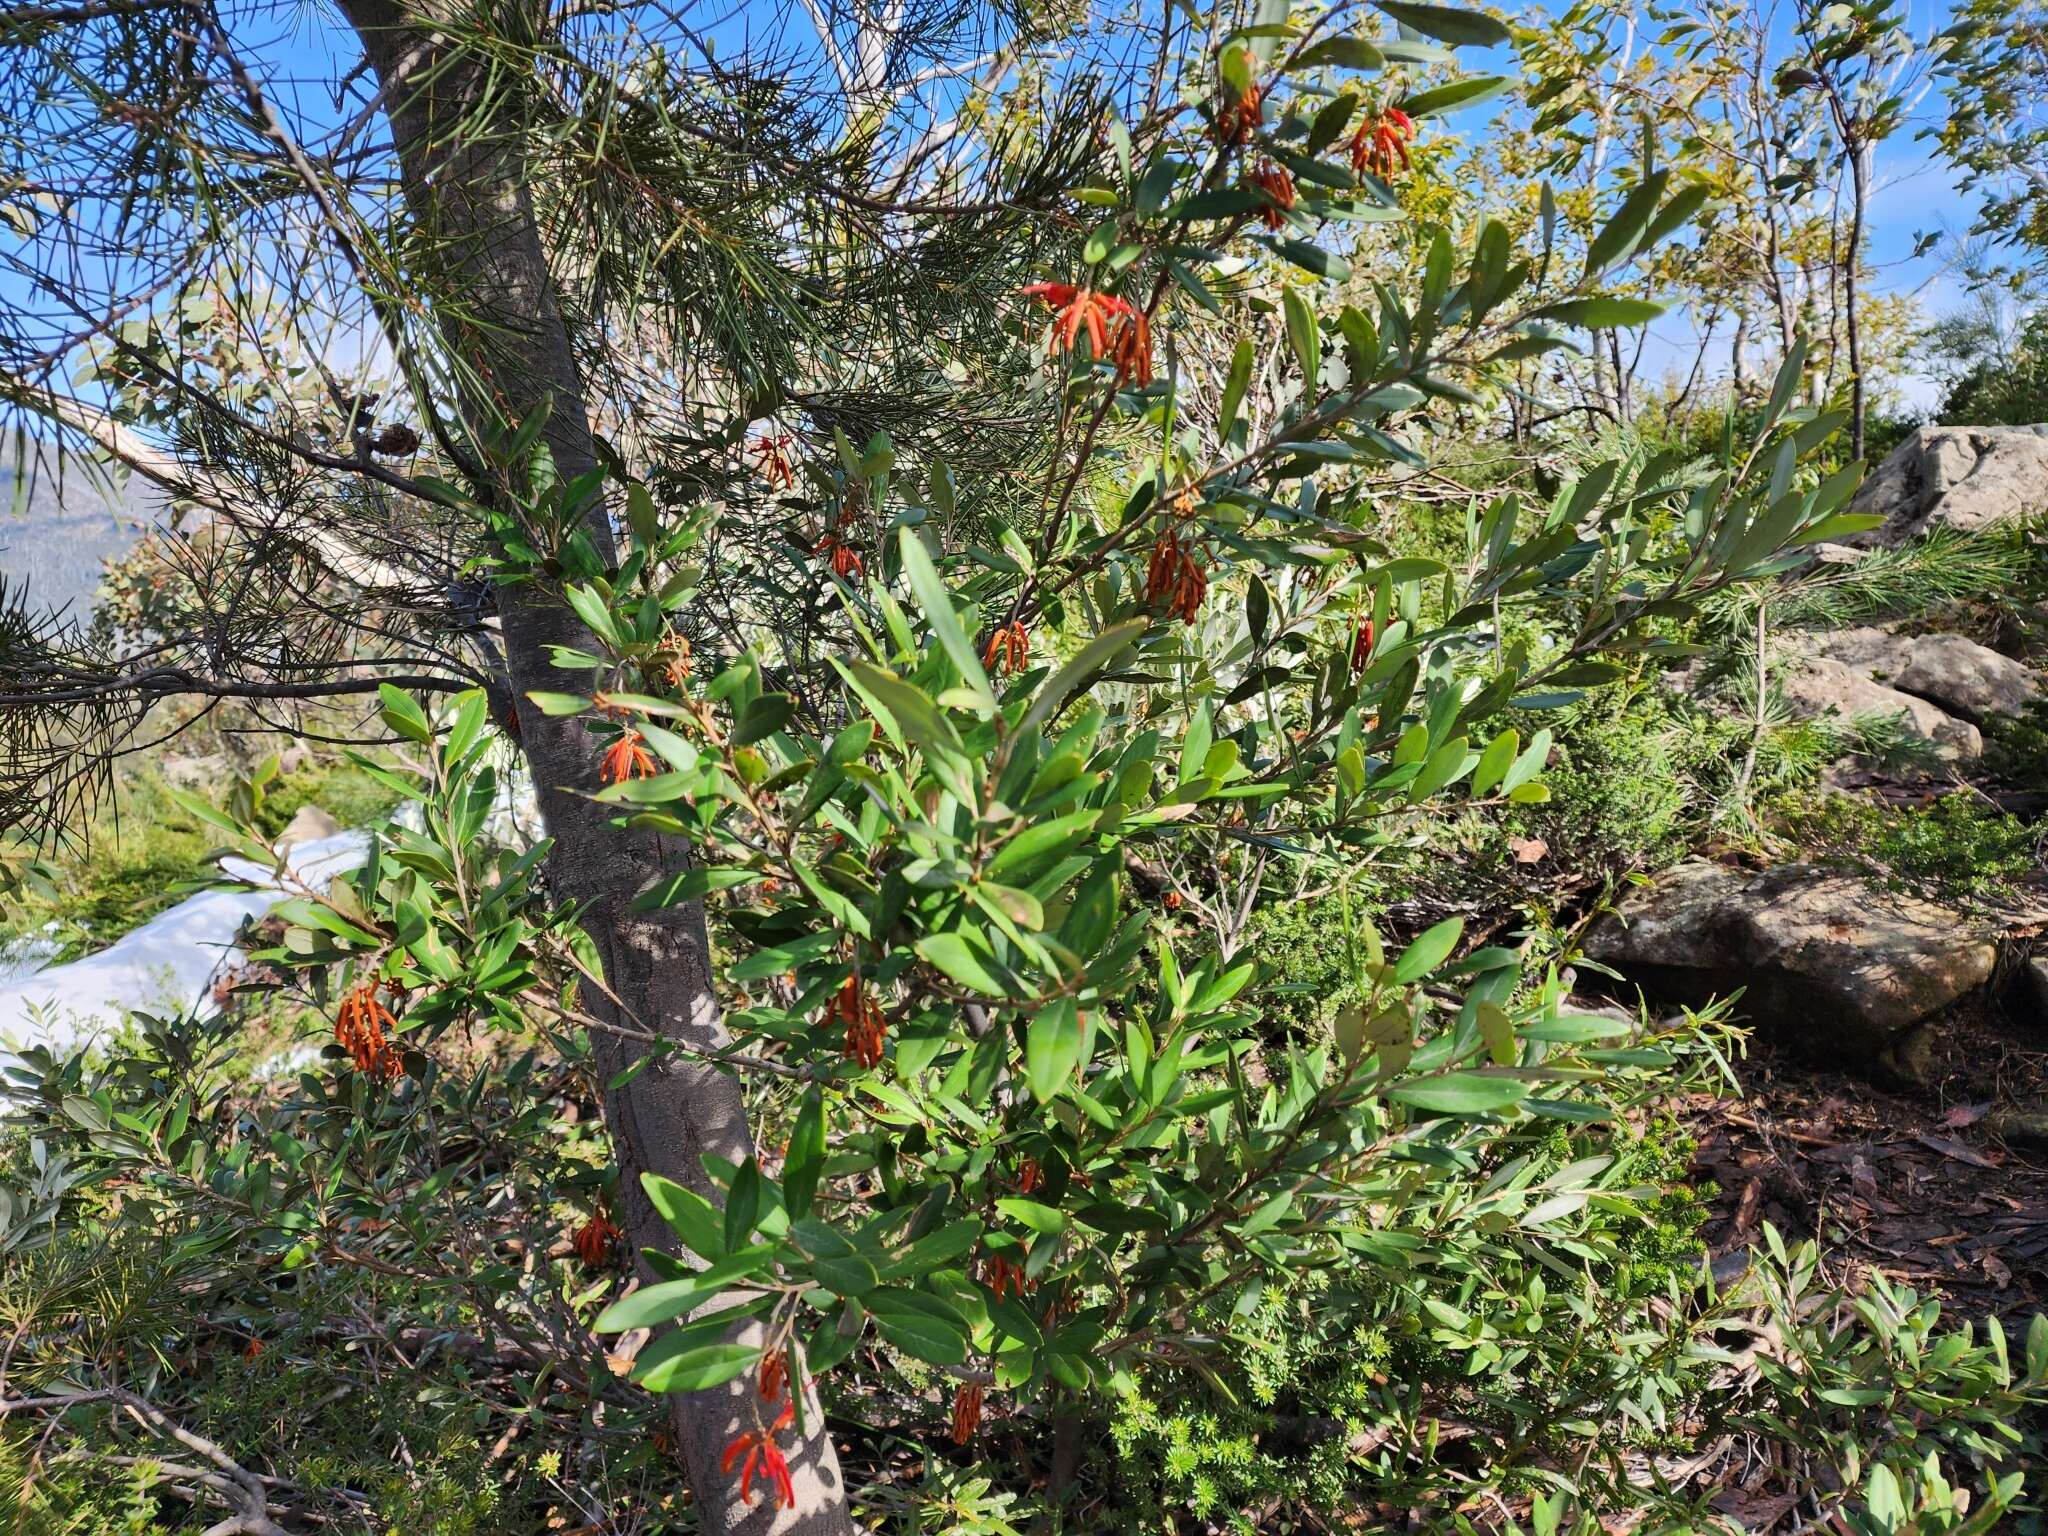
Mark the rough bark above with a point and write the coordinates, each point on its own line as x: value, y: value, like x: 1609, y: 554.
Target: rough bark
x: 467, y: 190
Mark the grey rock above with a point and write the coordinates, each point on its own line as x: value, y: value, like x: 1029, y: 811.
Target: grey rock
x: 202, y: 772
x: 1965, y: 478
x: 308, y: 825
x: 1818, y: 685
x: 1965, y: 678
x: 1828, y: 962
x: 1874, y: 652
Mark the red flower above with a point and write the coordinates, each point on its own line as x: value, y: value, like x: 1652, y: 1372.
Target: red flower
x: 673, y: 659
x: 1241, y: 116
x: 774, y: 1375
x: 1002, y: 1276
x: 845, y: 561
x: 867, y: 1031
x: 1077, y: 310
x: 771, y: 458
x: 1028, y: 1175
x: 359, y: 1026
x: 628, y: 758
x: 1175, y: 576
x: 1131, y: 349
x: 1382, y: 139
x: 1277, y: 184
x: 1361, y: 643
x: 1009, y: 649
x: 966, y: 1413
x: 593, y: 1240
x: 755, y: 1452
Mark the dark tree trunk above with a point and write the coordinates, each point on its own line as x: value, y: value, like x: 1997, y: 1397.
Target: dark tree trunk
x: 1859, y: 178
x: 465, y: 183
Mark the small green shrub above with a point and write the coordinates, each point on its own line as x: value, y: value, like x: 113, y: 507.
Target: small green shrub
x: 2016, y: 746
x: 1958, y: 849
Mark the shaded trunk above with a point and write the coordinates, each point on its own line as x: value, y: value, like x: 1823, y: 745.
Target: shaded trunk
x: 1859, y: 175
x: 465, y: 183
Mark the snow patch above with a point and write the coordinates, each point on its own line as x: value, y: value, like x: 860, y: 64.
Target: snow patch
x: 168, y: 964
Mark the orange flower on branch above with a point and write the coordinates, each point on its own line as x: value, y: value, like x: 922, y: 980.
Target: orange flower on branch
x: 867, y: 1031
x: 966, y: 1413
x: 756, y: 1454
x: 1361, y: 643
x: 673, y: 658
x: 845, y: 559
x: 594, y: 1239
x: 1175, y: 576
x: 1009, y: 649
x: 1002, y: 1276
x: 1081, y: 311
x: 1381, y: 140
x: 1276, y: 183
x: 1131, y: 348
x: 628, y: 758
x: 1028, y: 1175
x: 771, y: 459
x: 1241, y: 115
x: 359, y: 1028
x: 774, y: 1375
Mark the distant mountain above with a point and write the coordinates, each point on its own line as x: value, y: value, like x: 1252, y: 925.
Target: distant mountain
x: 57, y: 544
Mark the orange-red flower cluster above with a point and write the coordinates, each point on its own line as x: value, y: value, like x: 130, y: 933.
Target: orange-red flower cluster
x: 839, y: 550
x: 628, y: 758
x: 1361, y: 643
x: 1002, y: 1276
x: 1276, y: 182
x: 1079, y: 312
x: 674, y: 659
x: 771, y: 458
x: 1028, y: 1175
x: 774, y: 1375
x: 1381, y: 140
x: 966, y: 1413
x: 756, y: 1454
x: 1009, y: 649
x: 359, y: 1028
x: 866, y: 1030
x: 593, y: 1240
x: 1240, y: 116
x: 1175, y: 576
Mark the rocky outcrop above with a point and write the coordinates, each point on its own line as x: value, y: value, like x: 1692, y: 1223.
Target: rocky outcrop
x: 1827, y: 962
x: 1941, y: 686
x: 309, y: 824
x: 1965, y: 678
x: 1965, y: 478
x: 1818, y: 685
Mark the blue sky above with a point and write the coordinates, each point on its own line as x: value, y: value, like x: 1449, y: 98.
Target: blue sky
x: 297, y: 46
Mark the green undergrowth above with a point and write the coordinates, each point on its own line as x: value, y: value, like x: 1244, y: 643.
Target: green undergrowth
x: 1959, y: 848
x: 144, y: 852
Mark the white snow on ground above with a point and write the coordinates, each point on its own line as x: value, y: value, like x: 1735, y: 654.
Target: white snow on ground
x: 168, y: 964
